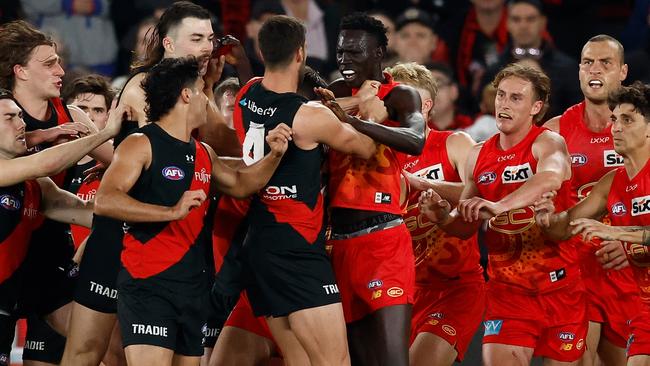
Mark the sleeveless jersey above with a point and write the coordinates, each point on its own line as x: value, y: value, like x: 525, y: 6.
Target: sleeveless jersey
x: 592, y: 156
x: 438, y: 256
x: 293, y: 194
x: 85, y: 191
x: 370, y: 185
x: 628, y: 204
x: 518, y: 253
x: 19, y: 216
x: 172, y: 251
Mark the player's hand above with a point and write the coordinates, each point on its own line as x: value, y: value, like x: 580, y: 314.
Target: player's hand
x: 590, y: 228
x: 373, y: 110
x: 477, y: 208
x: 368, y: 89
x: 433, y: 206
x: 94, y: 173
x: 278, y: 139
x: 324, y: 94
x: 213, y: 74
x: 188, y: 201
x: 338, y: 111
x: 237, y: 53
x: 416, y: 182
x: 612, y: 255
x: 544, y: 209
x: 116, y: 116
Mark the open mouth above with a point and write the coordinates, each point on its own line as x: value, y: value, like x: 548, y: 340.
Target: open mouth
x: 502, y: 115
x: 348, y: 74
x: 595, y: 84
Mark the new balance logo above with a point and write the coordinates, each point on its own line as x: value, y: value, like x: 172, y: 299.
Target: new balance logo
x: 492, y: 327
x: 147, y: 329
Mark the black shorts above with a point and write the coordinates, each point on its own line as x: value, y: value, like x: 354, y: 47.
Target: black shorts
x: 42, y: 343
x: 219, y: 307
x: 96, y: 286
x: 284, y: 280
x: 49, y: 272
x: 7, y: 333
x: 153, y: 314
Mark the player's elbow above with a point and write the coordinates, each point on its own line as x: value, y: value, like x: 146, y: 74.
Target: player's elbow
x: 102, y: 204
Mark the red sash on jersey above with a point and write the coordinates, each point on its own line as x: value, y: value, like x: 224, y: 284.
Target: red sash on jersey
x: 63, y: 116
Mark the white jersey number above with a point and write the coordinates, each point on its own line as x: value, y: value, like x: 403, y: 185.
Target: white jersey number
x: 253, y: 149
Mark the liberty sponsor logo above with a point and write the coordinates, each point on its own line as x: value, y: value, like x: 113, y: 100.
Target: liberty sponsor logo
x: 487, y: 178
x: 618, y: 209
x: 381, y: 197
x: 173, y: 173
x: 517, y: 173
x: 433, y: 172
x: 202, y: 176
x: 375, y: 284
x: 492, y: 327
x: 276, y: 193
x: 566, y: 336
x: 250, y: 104
x: 331, y: 289
x: 103, y: 290
x: 599, y: 140
x: 395, y: 292
x: 611, y: 158
x: 35, y: 345
x: 640, y: 205
x: 146, y: 329
x: 578, y: 159
x: 9, y: 202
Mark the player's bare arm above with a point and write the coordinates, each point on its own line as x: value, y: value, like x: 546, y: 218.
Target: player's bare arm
x: 553, y: 124
x: 133, y: 95
x: 315, y: 123
x: 104, y: 152
x: 246, y: 180
x: 112, y: 200
x: 63, y: 206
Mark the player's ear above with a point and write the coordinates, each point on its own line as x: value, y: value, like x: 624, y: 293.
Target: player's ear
x: 537, y: 107
x: 168, y: 44
x: 186, y: 93
x: 20, y: 72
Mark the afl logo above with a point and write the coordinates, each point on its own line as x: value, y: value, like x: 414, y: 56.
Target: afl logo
x: 9, y: 202
x: 487, y: 178
x: 578, y: 159
x: 173, y: 173
x: 618, y: 209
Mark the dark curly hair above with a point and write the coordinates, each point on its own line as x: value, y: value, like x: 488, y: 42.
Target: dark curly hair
x: 364, y: 22
x: 89, y: 84
x: 637, y: 94
x: 164, y: 82
x: 172, y: 17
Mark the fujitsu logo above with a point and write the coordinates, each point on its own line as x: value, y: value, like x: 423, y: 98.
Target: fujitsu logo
x: 202, y: 176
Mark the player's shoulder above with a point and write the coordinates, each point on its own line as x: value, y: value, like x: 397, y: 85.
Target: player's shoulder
x: 553, y: 124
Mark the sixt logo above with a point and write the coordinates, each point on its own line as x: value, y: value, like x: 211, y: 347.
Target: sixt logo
x: 375, y: 284
x: 566, y: 336
x: 641, y: 205
x: 433, y: 172
x: 517, y: 173
x: 173, y: 173
x: 578, y: 159
x: 618, y: 209
x: 270, y: 111
x: 611, y: 158
x: 487, y: 178
x: 9, y: 202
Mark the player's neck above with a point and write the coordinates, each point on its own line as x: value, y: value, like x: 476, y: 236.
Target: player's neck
x: 508, y: 141
x: 284, y: 81
x: 443, y: 119
x: 176, y: 125
x: 32, y: 104
x: 636, y: 160
x: 596, y: 116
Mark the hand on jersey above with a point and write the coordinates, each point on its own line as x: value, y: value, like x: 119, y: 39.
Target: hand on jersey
x: 116, y: 116
x: 368, y: 89
x: 544, y: 209
x: 94, y: 173
x: 416, y: 182
x: 612, y: 255
x: 477, y: 208
x: 590, y: 229
x: 373, y: 110
x: 337, y: 110
x: 188, y: 201
x: 433, y: 206
x: 64, y: 132
x: 278, y: 139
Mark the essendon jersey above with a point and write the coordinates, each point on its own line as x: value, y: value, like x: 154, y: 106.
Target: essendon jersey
x: 293, y: 194
x: 169, y: 250
x: 519, y: 255
x: 19, y: 216
x: 628, y: 204
x: 84, y: 190
x: 438, y: 256
x: 369, y: 185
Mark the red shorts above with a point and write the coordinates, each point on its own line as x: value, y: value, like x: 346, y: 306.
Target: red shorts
x: 242, y: 317
x: 608, y: 305
x: 554, y: 324
x: 374, y: 271
x: 447, y: 313
x: 639, y: 341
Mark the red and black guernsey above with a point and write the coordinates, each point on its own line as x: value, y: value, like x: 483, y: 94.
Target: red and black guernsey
x: 84, y: 190
x: 293, y: 195
x: 19, y: 216
x: 171, y: 251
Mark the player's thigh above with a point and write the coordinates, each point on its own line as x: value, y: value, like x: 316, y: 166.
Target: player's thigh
x: 180, y: 360
x: 497, y: 354
x: 639, y: 360
x: 322, y: 325
x: 89, y: 329
x: 147, y: 355
x: 610, y: 354
x: 236, y: 346
x: 429, y: 349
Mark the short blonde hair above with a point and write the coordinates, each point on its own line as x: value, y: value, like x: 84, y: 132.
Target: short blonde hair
x: 415, y: 75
